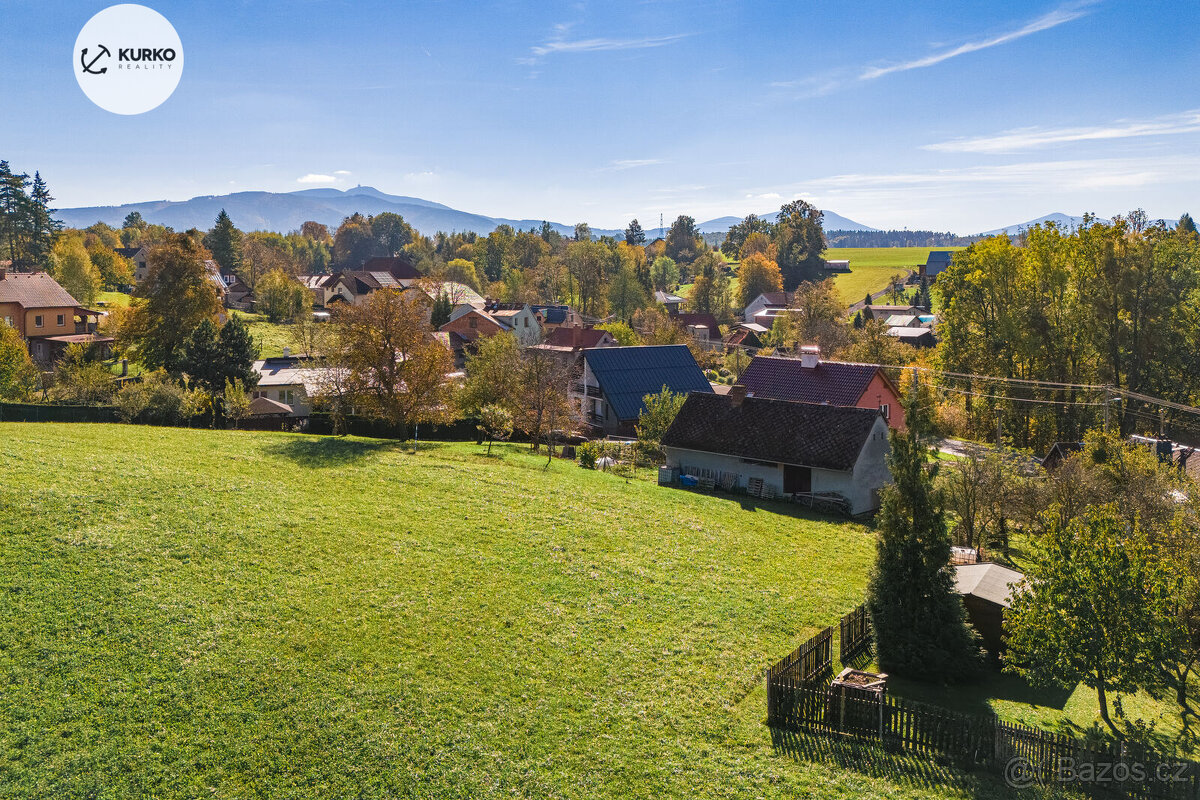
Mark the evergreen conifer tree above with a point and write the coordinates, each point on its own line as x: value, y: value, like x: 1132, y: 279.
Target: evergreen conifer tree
x: 918, y: 620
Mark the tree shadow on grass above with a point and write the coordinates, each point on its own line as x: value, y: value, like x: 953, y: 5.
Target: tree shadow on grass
x: 973, y: 697
x: 872, y: 760
x: 332, y: 451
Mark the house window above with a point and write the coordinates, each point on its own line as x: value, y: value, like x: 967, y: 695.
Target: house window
x: 9, y: 322
x: 37, y: 321
x: 286, y: 396
x: 62, y: 320
x: 527, y: 322
x: 474, y: 323
x: 886, y: 410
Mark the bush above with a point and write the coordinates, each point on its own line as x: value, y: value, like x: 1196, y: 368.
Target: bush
x: 588, y: 452
x: 155, y: 399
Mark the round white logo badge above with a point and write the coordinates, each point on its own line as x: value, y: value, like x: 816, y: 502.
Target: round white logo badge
x: 128, y: 59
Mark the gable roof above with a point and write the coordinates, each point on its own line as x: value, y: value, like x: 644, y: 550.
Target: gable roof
x: 990, y: 582
x: 774, y: 298
x: 838, y: 383
x: 628, y: 374
x: 128, y: 252
x: 266, y: 407
x: 565, y: 337
x: 804, y: 434
x: 551, y: 315
x: 666, y: 297
x: 398, y: 268
x: 942, y: 257
x: 699, y: 321
x: 35, y: 290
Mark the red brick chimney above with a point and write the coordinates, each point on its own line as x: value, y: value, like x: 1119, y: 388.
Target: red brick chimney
x: 576, y: 337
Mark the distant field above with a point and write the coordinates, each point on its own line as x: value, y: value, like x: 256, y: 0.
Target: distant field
x: 113, y: 299
x: 196, y: 613
x: 271, y: 337
x: 872, y: 267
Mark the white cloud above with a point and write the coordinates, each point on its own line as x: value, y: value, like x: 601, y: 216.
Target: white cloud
x: 558, y: 43
x: 1053, y: 19
x: 829, y: 82
x: 342, y: 172
x: 1031, y: 138
x: 314, y: 177
x: 1034, y: 176
x: 631, y: 163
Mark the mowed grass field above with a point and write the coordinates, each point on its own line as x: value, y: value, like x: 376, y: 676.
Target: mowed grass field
x: 193, y: 613
x: 872, y: 267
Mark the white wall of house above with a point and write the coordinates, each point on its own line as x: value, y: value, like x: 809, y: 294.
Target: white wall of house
x: 291, y: 394
x: 859, y: 486
x: 525, y: 327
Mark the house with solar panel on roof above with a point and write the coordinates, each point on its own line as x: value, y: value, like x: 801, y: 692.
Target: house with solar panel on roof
x: 810, y: 379
x: 610, y: 391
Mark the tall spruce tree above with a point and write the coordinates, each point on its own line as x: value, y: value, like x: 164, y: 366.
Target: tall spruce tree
x: 224, y: 241
x: 634, y: 235
x: 237, y: 352
x: 201, y: 358
x: 44, y: 227
x: 919, y: 621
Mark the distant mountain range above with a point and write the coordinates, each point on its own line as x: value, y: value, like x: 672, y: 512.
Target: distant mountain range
x: 1062, y: 220
x: 833, y: 222
x: 286, y: 211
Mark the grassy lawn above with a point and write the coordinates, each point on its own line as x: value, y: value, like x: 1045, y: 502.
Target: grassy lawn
x: 113, y: 299
x: 872, y: 267
x: 190, y: 613
x: 271, y: 337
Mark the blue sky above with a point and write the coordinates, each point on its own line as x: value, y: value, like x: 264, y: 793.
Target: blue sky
x: 956, y: 115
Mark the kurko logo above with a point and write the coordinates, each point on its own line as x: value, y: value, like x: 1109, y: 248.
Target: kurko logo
x: 87, y: 65
x: 148, y: 59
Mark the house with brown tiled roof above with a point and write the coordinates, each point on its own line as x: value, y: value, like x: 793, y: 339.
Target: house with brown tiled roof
x: 768, y: 305
x: 702, y: 327
x: 834, y: 456
x: 519, y: 318
x: 46, y: 315
x: 810, y: 379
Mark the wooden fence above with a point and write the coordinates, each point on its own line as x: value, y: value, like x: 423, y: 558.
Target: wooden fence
x: 1024, y: 756
x: 811, y: 661
x: 854, y: 635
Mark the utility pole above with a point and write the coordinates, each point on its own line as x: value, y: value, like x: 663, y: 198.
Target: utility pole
x: 662, y: 232
x: 1107, y: 403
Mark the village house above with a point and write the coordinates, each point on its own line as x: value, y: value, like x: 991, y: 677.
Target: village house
x: 615, y: 380
x: 138, y: 256
x: 935, y: 264
x: 471, y: 324
x: 778, y: 448
x: 519, y: 318
x: 763, y: 309
x: 917, y: 337
x: 291, y: 380
x: 701, y: 327
x: 745, y: 334
x: 809, y: 379
x: 837, y: 265
x: 569, y: 343
x: 671, y: 302
x: 317, y: 286
x: 47, y: 317
x: 553, y: 317
x: 883, y: 312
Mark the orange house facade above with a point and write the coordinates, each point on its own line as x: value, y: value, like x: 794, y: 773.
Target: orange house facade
x: 44, y: 314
